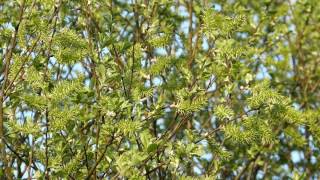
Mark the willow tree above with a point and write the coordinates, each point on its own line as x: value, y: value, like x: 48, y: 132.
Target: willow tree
x: 159, y: 89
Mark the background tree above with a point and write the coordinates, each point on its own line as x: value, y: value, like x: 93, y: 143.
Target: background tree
x: 159, y: 89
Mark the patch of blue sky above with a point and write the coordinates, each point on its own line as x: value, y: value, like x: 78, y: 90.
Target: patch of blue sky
x: 263, y: 73
x: 197, y: 170
x: 256, y: 19
x: 105, y: 51
x: 160, y: 124
x: 207, y: 156
x: 217, y: 7
x: 205, y: 44
x: 296, y: 156
x: 161, y: 51
x: 183, y: 11
x: 157, y: 81
x: 210, y: 84
x: 197, y: 125
x: 213, y: 120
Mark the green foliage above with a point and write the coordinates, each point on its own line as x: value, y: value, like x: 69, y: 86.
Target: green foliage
x: 219, y: 25
x: 159, y: 89
x: 69, y: 47
x: 64, y: 89
x: 224, y: 112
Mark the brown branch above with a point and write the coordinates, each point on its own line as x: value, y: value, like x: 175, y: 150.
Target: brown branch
x: 244, y: 169
x: 55, y: 19
x: 190, y: 31
x: 93, y: 169
x: 17, y: 154
x: 7, y: 60
x: 154, y: 169
x: 21, y: 67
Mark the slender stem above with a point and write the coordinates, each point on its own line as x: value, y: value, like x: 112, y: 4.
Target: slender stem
x: 99, y: 159
x: 7, y: 61
x: 54, y: 18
